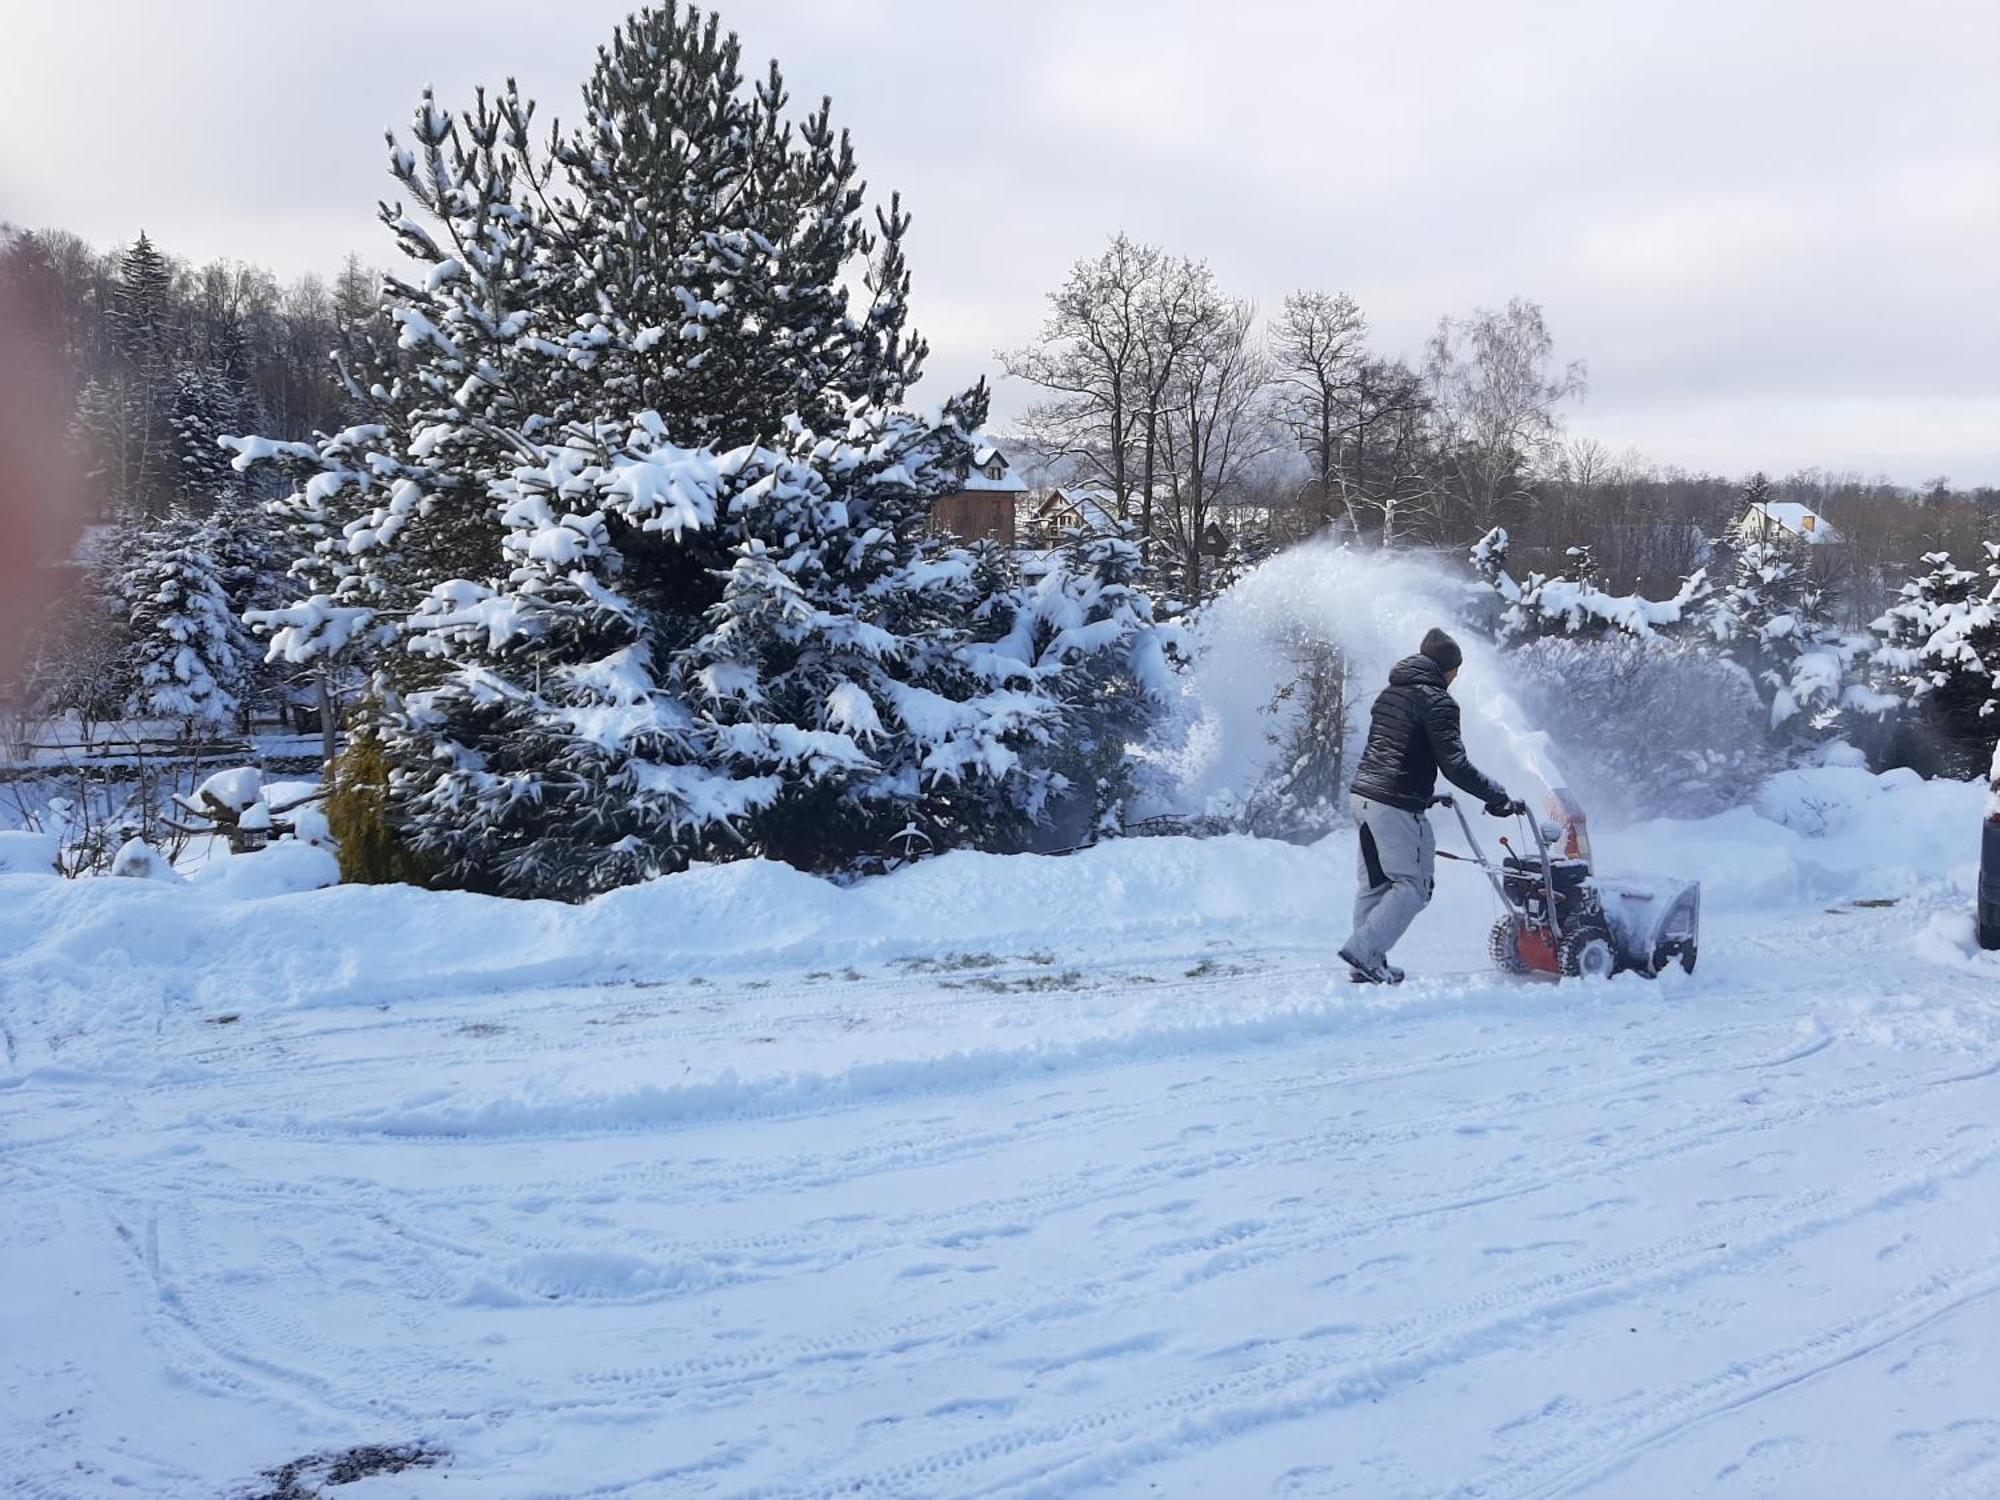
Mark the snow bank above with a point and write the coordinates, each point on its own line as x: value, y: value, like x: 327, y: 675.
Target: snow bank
x: 23, y: 853
x: 1828, y: 833
x: 111, y: 957
x: 276, y: 870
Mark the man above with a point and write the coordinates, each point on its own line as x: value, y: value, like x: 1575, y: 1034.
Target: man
x: 1412, y: 735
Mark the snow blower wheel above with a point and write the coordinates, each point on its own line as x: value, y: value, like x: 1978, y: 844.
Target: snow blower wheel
x: 1503, y: 946
x: 1587, y: 953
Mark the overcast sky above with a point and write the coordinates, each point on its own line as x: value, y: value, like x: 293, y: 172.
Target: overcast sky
x: 1772, y: 227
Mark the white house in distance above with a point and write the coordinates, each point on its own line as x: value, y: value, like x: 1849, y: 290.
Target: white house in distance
x: 1787, y: 520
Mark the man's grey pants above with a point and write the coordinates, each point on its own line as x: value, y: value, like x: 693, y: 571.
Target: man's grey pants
x: 1393, y: 879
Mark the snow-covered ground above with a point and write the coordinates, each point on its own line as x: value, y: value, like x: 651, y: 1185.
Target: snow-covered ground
x: 1012, y: 1177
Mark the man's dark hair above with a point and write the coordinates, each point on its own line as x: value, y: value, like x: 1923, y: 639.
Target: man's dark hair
x: 1442, y: 649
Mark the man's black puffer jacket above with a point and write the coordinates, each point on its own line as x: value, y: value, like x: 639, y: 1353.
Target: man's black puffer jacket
x: 1413, y: 735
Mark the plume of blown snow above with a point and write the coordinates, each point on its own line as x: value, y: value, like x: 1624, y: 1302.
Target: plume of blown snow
x: 1376, y: 607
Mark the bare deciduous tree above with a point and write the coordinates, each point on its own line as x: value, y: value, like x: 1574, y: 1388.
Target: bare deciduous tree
x: 1090, y: 359
x: 1215, y: 426
x: 1317, y: 348
x: 1495, y: 391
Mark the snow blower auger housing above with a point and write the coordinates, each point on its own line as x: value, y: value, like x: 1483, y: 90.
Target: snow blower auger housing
x: 1565, y: 920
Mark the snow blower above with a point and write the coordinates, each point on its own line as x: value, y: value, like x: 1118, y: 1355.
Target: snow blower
x: 1562, y: 919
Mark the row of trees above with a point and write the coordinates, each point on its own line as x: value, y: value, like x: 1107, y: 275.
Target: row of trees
x: 1204, y: 424
x: 1169, y: 395
x: 1921, y: 684
x: 158, y: 355
x: 155, y: 359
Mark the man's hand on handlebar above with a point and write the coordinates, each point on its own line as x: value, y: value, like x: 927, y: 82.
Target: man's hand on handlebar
x: 1505, y: 807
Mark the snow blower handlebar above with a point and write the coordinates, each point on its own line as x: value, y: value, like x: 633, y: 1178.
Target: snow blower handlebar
x: 1520, y: 811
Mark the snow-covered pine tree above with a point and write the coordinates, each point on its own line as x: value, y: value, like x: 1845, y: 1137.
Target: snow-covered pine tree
x: 188, y: 650
x: 124, y: 416
x: 1575, y: 605
x: 723, y: 301
x: 1772, y: 618
x: 626, y: 635
x: 1939, y: 651
x: 458, y: 379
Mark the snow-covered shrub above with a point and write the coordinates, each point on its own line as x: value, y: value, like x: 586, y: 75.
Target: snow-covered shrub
x: 357, y: 810
x: 1303, y: 792
x: 138, y: 860
x: 1647, y: 728
x: 237, y: 805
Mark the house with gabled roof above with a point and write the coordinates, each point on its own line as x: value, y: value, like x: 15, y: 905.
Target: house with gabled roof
x: 1787, y: 520
x: 984, y: 506
x: 1063, y: 508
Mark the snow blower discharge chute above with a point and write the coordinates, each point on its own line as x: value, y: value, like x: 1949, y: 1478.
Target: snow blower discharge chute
x: 1562, y: 919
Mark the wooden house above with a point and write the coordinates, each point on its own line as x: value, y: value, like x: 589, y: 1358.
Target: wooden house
x: 1073, y: 507
x: 984, y: 506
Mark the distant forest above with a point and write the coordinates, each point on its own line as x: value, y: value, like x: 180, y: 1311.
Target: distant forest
x: 1261, y: 430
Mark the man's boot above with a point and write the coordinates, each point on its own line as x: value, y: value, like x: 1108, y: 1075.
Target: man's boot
x: 1377, y: 973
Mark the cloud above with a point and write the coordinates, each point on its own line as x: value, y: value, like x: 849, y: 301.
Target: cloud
x: 1771, y: 229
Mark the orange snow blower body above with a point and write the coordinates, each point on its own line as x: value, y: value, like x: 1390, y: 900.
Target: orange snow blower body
x: 1564, y: 920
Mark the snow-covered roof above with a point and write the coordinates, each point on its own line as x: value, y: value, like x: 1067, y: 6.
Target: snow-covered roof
x: 984, y: 456
x: 1008, y: 483
x: 1799, y: 520
x: 1097, y: 508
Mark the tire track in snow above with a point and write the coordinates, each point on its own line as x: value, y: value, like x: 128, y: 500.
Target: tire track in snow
x: 1743, y: 1383
x: 1231, y: 1406
x: 985, y: 1320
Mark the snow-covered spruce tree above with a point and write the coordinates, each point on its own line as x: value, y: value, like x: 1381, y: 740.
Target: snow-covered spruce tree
x: 611, y: 648
x: 849, y: 665
x: 545, y: 758
x: 1938, y: 652
x: 1082, y: 624
x: 211, y: 402
x: 1772, y: 618
x: 1576, y: 605
x: 125, y: 415
x: 188, y: 650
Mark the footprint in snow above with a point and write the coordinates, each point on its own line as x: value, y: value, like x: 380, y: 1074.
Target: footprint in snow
x: 1767, y: 1462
